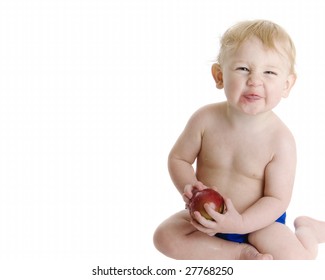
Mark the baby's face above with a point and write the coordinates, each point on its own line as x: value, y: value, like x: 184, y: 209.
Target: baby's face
x: 255, y: 78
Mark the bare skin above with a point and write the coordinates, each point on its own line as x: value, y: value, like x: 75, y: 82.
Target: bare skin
x: 199, y: 245
x: 245, y: 151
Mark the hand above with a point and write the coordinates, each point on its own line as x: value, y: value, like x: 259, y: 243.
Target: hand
x: 188, y: 191
x: 229, y: 222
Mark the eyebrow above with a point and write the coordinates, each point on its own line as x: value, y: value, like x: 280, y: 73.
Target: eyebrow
x: 272, y: 66
x: 247, y: 63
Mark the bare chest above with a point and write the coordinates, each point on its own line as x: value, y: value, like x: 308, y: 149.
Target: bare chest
x: 236, y: 154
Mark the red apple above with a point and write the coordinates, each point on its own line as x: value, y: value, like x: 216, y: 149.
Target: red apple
x: 202, y: 197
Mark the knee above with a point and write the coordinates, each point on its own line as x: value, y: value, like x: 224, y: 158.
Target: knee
x: 169, y: 237
x: 301, y: 221
x: 159, y: 238
x: 163, y: 240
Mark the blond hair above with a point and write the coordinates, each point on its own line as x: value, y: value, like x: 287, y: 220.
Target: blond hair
x: 270, y: 34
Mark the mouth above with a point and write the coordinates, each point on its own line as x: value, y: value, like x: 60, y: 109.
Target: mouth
x: 252, y: 97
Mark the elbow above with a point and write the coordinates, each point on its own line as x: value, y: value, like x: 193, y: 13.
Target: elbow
x: 282, y: 206
x: 170, y: 161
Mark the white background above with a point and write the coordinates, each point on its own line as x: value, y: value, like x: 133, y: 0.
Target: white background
x: 93, y: 95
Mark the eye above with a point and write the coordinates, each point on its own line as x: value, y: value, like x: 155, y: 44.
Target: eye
x: 271, y: 73
x: 242, y: 68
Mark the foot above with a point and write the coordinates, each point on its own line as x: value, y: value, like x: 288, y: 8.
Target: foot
x: 315, y: 226
x: 250, y: 253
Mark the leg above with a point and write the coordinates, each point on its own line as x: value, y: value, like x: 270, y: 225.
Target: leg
x: 178, y: 239
x: 279, y: 241
x: 309, y: 231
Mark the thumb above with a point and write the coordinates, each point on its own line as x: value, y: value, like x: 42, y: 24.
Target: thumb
x: 229, y: 206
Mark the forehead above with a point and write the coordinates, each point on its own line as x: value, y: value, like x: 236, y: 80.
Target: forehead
x: 254, y: 50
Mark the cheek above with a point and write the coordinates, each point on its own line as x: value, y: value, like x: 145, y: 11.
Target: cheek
x: 232, y: 86
x: 275, y: 89
x: 274, y: 94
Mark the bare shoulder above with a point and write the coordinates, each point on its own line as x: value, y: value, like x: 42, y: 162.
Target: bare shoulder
x: 283, y: 139
x: 208, y: 114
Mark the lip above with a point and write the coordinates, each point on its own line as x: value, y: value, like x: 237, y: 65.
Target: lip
x: 252, y: 97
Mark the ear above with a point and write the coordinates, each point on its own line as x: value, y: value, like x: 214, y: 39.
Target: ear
x: 289, y: 84
x: 217, y: 75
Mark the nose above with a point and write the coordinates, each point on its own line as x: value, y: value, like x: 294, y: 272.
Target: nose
x: 254, y: 80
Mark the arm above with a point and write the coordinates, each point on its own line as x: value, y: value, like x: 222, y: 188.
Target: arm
x: 184, y: 153
x: 279, y: 181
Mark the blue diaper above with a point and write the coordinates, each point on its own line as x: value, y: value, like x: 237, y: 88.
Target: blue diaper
x: 243, y: 238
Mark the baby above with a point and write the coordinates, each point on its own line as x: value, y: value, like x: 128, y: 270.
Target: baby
x: 245, y: 152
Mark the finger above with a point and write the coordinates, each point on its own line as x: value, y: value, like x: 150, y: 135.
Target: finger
x: 216, y: 216
x: 185, y: 198
x: 200, y: 186
x: 199, y: 227
x: 229, y: 205
x: 203, y: 221
x: 188, y: 191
